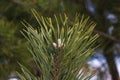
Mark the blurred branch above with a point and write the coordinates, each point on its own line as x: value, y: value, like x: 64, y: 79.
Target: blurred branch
x: 107, y: 36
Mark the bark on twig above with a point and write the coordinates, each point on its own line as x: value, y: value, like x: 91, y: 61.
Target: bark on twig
x: 107, y: 36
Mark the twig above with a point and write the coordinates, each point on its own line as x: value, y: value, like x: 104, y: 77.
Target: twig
x: 107, y: 36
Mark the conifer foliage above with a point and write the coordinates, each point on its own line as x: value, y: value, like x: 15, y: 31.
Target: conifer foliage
x: 59, y: 50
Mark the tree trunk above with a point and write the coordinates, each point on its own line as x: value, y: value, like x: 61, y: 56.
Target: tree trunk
x: 111, y: 63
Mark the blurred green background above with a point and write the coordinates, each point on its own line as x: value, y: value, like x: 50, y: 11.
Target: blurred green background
x: 106, y: 14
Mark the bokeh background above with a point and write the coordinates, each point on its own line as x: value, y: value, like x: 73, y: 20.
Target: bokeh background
x: 105, y: 13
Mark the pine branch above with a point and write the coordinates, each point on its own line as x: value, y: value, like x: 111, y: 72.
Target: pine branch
x: 69, y: 47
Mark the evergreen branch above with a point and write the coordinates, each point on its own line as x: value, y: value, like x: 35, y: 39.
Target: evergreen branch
x: 59, y: 50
